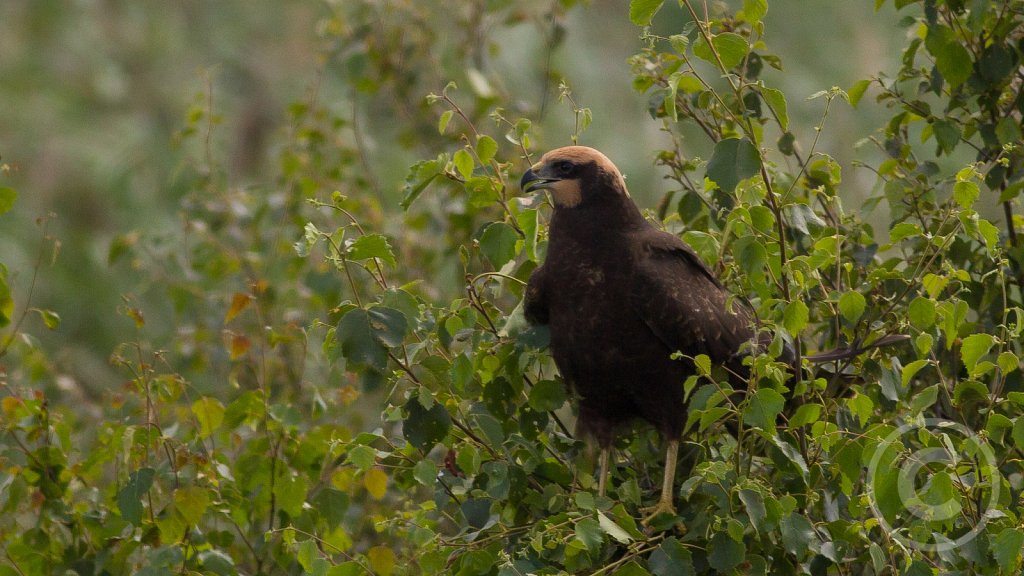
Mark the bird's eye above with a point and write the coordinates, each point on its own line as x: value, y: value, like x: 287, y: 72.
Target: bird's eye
x: 564, y: 167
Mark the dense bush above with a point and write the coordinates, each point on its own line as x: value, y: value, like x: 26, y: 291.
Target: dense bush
x: 342, y: 386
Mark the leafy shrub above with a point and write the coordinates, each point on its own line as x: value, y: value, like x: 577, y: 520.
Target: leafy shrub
x: 240, y: 441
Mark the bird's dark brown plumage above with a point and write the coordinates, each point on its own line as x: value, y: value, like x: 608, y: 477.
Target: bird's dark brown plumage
x: 620, y: 296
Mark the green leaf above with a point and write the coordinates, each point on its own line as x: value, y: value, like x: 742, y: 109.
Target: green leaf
x: 351, y: 568
x: 797, y: 534
x: 308, y: 556
x: 6, y: 299
x: 852, y: 305
x: 712, y: 415
x: 794, y: 318
x: 856, y: 92
x: 363, y: 335
x: 989, y: 233
x: 446, y: 117
x: 1006, y: 549
x: 1008, y: 362
x: 50, y: 318
x: 922, y: 313
x: 671, y: 559
x: 1018, y: 432
x: 1008, y: 131
x: 764, y: 406
x: 947, y: 134
x: 588, y: 531
x: 924, y: 399
x: 776, y: 100
x: 464, y: 163
x: 611, y: 528
x: 753, y: 502
x: 754, y: 10
x: 954, y: 314
x: 425, y: 472
x: 129, y: 498
x: 331, y: 505
x: 1011, y: 191
x: 422, y: 427
x: 805, y: 414
x: 923, y: 343
x: 388, y: 325
x: 911, y: 369
x: 974, y: 347
x: 791, y: 454
x: 641, y: 12
x: 498, y: 243
x: 861, y: 406
x: 290, y: 493
x: 547, y: 395
x: 486, y: 148
x: 7, y: 198
x: 209, y: 412
x: 954, y: 63
x: 703, y: 364
x: 733, y: 160
x: 679, y: 43
x: 724, y: 553
x: 362, y: 457
x: 371, y: 246
x: 191, y: 502
x: 965, y: 193
x: 904, y: 230
x: 704, y: 244
x: 420, y: 176
x: 731, y: 48
x: 934, y: 284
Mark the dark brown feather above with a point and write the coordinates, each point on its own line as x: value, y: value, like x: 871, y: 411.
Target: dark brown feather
x: 620, y: 296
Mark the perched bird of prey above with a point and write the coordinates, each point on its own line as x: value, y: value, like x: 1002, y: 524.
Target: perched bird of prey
x: 620, y: 296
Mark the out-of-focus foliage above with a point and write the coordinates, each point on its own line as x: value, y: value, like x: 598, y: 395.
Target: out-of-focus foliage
x: 323, y: 374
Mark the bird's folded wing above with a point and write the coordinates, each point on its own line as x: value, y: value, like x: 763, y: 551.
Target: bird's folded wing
x: 683, y: 303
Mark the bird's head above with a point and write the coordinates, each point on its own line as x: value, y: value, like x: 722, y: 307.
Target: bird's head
x: 575, y: 175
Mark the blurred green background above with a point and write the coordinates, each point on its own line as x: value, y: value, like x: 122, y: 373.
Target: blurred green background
x: 95, y: 96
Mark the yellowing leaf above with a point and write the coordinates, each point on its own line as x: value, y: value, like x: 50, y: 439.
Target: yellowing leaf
x: 376, y: 483
x: 10, y: 404
x: 348, y: 394
x: 136, y: 315
x: 238, y: 346
x: 382, y: 560
x: 238, y: 303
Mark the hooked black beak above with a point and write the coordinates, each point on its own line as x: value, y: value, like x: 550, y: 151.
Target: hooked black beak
x: 531, y: 181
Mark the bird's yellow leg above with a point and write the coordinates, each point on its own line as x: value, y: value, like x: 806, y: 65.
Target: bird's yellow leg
x: 602, y: 479
x: 665, y: 504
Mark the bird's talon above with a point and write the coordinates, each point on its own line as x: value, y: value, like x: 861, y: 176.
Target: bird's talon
x: 657, y: 510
